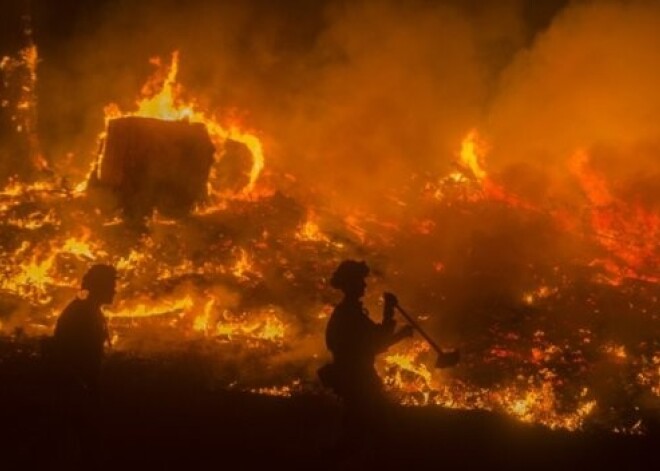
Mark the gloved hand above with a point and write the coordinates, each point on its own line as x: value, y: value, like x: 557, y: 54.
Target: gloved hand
x: 390, y: 303
x: 390, y: 300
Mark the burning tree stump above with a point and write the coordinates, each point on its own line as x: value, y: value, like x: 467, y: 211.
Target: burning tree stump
x: 153, y: 164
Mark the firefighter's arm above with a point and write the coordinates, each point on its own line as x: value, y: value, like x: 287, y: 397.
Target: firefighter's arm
x: 390, y: 301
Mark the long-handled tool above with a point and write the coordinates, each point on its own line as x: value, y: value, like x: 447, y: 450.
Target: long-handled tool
x: 445, y: 358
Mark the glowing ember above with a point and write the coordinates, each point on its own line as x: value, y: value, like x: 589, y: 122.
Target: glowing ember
x: 24, y: 68
x: 79, y: 247
x: 264, y: 326
x: 530, y: 402
x: 244, y: 265
x: 280, y: 391
x: 650, y: 375
x: 202, y: 322
x: 152, y: 308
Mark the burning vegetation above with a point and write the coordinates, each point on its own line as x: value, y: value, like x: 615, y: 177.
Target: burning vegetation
x: 553, y: 302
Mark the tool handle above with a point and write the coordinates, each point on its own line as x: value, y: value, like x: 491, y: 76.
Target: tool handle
x: 417, y: 327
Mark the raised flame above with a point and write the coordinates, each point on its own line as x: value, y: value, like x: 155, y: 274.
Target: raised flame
x: 162, y: 98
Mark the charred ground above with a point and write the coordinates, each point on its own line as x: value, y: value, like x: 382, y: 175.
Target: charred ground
x: 168, y: 412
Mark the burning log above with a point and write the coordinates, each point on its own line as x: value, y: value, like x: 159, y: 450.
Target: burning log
x: 154, y: 164
x: 234, y: 166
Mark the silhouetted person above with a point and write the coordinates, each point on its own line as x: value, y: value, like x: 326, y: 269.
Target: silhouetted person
x: 355, y: 340
x: 81, y: 331
x: 78, y: 349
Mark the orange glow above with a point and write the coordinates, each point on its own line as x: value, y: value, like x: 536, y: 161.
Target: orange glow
x: 162, y: 98
x: 32, y: 276
x: 227, y: 278
x: 244, y: 265
x: 25, y: 108
x: 257, y: 326
x: 152, y: 308
x: 473, y: 180
x: 628, y: 232
x: 310, y: 230
x: 536, y: 402
x: 79, y: 246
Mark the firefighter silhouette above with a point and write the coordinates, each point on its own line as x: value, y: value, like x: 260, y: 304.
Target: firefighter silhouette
x: 354, y: 341
x: 77, y: 353
x: 81, y: 331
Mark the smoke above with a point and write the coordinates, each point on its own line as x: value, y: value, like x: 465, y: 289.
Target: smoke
x: 350, y: 95
x: 398, y: 87
x: 586, y: 83
x: 356, y: 98
x: 359, y: 101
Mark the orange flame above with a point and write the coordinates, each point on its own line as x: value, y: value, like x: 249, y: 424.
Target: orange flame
x: 628, y: 232
x: 472, y: 178
x: 310, y: 230
x: 471, y: 154
x: 162, y: 99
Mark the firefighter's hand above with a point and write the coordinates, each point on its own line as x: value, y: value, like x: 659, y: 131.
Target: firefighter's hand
x: 390, y: 300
